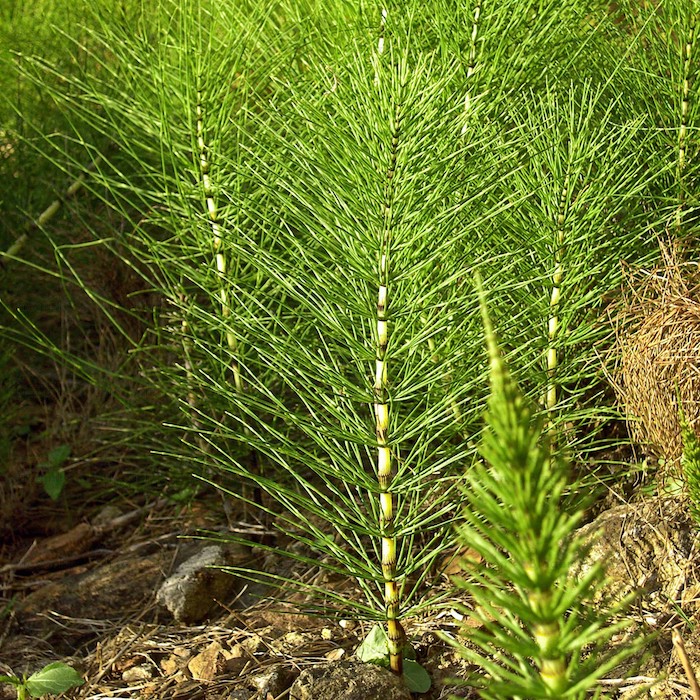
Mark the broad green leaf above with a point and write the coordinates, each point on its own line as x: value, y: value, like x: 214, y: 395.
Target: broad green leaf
x: 10, y: 679
x: 59, y: 455
x: 54, y: 481
x: 416, y: 677
x: 375, y: 647
x: 53, y: 679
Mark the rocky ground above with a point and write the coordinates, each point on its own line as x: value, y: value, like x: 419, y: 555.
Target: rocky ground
x: 129, y: 599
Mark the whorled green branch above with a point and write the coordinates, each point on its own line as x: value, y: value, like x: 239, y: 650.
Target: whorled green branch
x: 541, y: 624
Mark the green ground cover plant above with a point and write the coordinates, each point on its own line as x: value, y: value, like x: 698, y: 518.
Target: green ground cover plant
x: 305, y: 194
x: 53, y: 679
x: 541, y: 623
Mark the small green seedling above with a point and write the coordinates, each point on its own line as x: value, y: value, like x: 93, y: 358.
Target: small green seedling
x: 690, y: 464
x: 375, y: 650
x: 51, y: 680
x: 54, y: 478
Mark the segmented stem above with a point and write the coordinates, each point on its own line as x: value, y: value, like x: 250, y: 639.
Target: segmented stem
x: 546, y: 634
x: 380, y: 45
x: 472, y: 62
x: 551, y: 396
x: 220, y: 258
x: 382, y: 28
x: 385, y: 471
x: 221, y: 268
x: 685, y: 109
x: 49, y: 212
x: 505, y: 397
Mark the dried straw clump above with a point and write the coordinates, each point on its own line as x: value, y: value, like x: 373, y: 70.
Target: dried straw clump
x: 658, y: 353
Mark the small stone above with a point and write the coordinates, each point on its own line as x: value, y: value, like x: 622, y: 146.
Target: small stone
x: 241, y: 694
x: 233, y: 667
x: 253, y: 644
x: 336, y: 654
x: 349, y: 680
x: 326, y: 634
x: 237, y: 651
x: 137, y: 674
x: 192, y: 591
x: 208, y: 663
x: 106, y: 516
x: 171, y: 665
x: 275, y: 681
x: 293, y: 639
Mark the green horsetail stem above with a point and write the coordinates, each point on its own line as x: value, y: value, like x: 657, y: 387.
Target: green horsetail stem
x: 685, y: 98
x: 380, y: 44
x: 220, y: 258
x: 685, y: 109
x: 547, y: 636
x: 551, y: 396
x: 392, y: 591
x: 472, y: 62
x: 546, y: 633
x: 221, y: 268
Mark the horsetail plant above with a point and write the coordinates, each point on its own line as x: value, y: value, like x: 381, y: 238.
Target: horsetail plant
x: 541, y: 626
x: 661, y: 82
x: 550, y: 403
x: 471, y: 67
x: 357, y: 290
x: 385, y: 472
x: 219, y: 256
x: 688, y: 47
x: 311, y: 199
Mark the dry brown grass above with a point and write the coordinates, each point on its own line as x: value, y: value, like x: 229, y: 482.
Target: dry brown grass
x: 658, y: 352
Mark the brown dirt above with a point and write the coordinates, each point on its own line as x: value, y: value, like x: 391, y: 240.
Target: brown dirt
x: 87, y: 597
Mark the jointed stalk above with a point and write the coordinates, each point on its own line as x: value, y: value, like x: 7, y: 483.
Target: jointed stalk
x: 472, y: 63
x: 221, y: 268
x: 547, y: 635
x: 385, y: 472
x: 685, y: 108
x: 551, y: 397
x: 510, y: 427
x: 380, y: 45
x: 220, y: 258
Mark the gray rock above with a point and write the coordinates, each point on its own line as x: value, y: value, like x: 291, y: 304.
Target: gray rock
x: 240, y: 694
x: 191, y: 592
x: 648, y: 545
x: 349, y: 680
x: 274, y: 681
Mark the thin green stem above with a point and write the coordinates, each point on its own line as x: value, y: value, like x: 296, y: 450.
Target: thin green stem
x: 685, y: 109
x: 219, y: 255
x: 385, y: 471
x: 472, y: 63
x: 48, y: 213
x: 547, y: 635
x: 553, y: 324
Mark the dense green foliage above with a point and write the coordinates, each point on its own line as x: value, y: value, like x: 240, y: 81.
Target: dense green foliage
x: 306, y: 191
x: 541, y: 624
